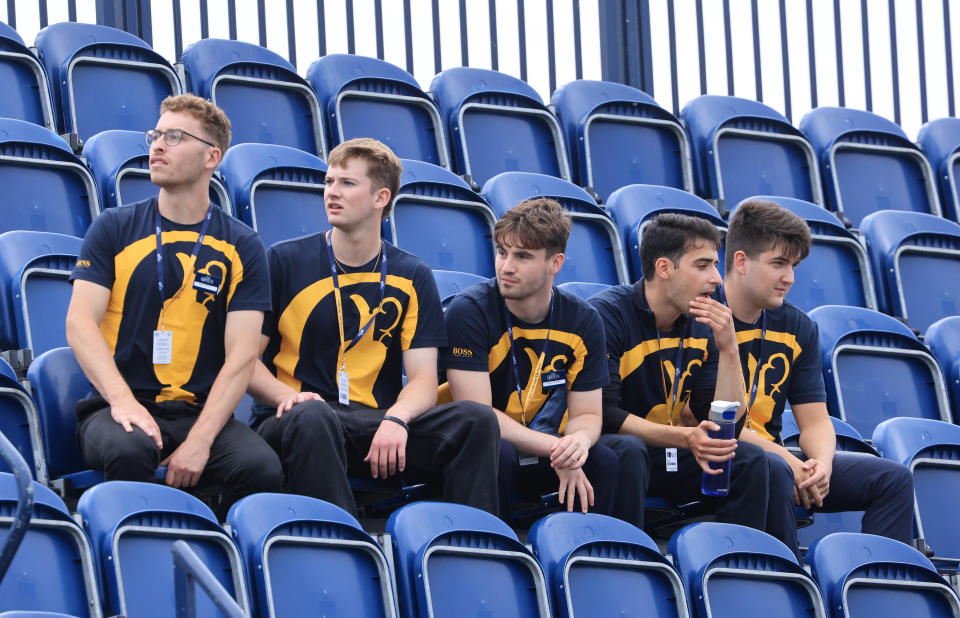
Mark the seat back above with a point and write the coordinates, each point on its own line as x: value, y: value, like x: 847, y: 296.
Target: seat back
x: 455, y: 560
x: 618, y: 136
x: 868, y: 164
x: 743, y: 148
x: 583, y: 290
x: 594, y: 252
x: 450, y: 283
x: 498, y: 123
x: 20, y: 424
x: 244, y: 80
x: 943, y: 337
x: 23, y: 82
x: 459, y: 221
x: 916, y: 263
x: 304, y: 555
x: 875, y: 368
x: 940, y: 142
x: 103, y: 78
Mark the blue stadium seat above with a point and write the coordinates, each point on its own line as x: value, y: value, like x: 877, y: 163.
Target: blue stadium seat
x: 103, y: 78
x: 454, y: 560
x: 23, y: 82
x: 246, y: 80
x: 20, y: 423
x: 868, y: 164
x: 916, y: 265
x: 943, y: 337
x: 53, y: 570
x: 367, y: 97
x: 868, y: 575
x: 931, y: 449
x: 600, y: 566
x: 849, y: 439
x: 498, y: 123
x: 743, y: 148
x: 34, y: 291
x: 459, y: 221
x: 132, y: 526
x: 305, y: 556
x: 837, y: 271
x: 594, y: 252
x: 619, y: 136
x: 732, y: 570
x: 875, y: 369
x: 583, y: 290
x: 276, y: 190
x: 450, y: 283
x: 940, y: 142
x: 46, y: 187
x: 120, y: 162
x: 635, y: 206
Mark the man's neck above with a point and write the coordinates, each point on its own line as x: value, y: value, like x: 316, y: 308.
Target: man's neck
x: 356, y: 246
x: 743, y: 308
x: 532, y: 309
x: 664, y: 312
x: 184, y: 207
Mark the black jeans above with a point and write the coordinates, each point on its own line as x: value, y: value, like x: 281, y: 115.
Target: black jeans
x: 321, y: 443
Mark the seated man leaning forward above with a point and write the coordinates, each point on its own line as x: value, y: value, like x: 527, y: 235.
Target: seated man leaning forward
x: 780, y: 356
x: 350, y: 313
x: 536, y: 354
x: 660, y: 335
x: 168, y: 296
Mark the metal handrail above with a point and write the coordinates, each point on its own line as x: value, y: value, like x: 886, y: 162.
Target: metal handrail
x: 189, y: 571
x: 21, y: 520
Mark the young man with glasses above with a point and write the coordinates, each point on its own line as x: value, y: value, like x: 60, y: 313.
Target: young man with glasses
x: 168, y: 297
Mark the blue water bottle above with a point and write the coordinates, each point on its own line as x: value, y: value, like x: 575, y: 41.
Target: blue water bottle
x: 723, y: 413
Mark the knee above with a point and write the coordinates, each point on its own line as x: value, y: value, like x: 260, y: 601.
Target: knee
x: 263, y: 471
x: 131, y: 457
x: 631, y: 450
x: 481, y: 421
x: 751, y: 462
x: 899, y: 480
x: 781, y: 474
x: 309, y: 420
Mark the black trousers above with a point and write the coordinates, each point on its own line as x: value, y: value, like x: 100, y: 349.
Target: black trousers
x: 320, y: 444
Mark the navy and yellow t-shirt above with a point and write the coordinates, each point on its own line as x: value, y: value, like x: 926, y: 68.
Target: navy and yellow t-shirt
x: 304, y: 334
x: 642, y: 365
x: 119, y: 252
x: 573, y: 359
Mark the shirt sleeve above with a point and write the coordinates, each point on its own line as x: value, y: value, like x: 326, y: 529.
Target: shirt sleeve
x: 467, y: 335
x: 806, y: 384
x: 252, y: 291
x: 98, y: 251
x: 428, y: 329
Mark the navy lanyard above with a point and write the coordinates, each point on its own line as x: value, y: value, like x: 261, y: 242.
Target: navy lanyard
x: 516, y: 367
x: 193, y: 254
x: 678, y: 365
x: 336, y: 291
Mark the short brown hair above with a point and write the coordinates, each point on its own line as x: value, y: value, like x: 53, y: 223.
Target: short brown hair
x: 671, y: 235
x: 758, y: 225
x: 215, y: 123
x: 539, y: 223
x: 383, y: 166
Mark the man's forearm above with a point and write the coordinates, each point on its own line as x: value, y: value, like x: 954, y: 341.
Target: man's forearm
x: 655, y: 434
x: 418, y: 396
x: 730, y: 386
x: 95, y: 358
x: 588, y: 424
x: 225, y: 394
x: 819, y: 442
x: 266, y: 388
x: 523, y: 438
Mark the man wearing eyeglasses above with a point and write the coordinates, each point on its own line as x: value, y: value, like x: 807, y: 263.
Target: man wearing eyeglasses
x: 168, y: 300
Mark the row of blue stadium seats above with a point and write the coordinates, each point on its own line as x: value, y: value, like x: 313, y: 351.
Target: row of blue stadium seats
x: 288, y: 555
x: 602, y: 135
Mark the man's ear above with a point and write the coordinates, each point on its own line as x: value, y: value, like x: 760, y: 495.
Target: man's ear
x: 740, y: 260
x: 664, y: 267
x: 556, y: 262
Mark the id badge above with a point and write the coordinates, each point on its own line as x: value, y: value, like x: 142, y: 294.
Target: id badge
x: 553, y: 379
x: 527, y: 459
x: 206, y: 283
x: 671, y: 459
x: 162, y: 347
x: 343, y: 387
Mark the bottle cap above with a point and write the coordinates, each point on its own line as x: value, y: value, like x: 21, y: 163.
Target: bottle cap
x: 725, y: 411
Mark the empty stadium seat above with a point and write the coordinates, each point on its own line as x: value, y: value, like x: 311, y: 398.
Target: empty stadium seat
x: 635, y: 206
x: 305, y: 556
x: 53, y: 570
x: 931, y: 449
x: 837, y: 271
x: 46, y: 187
x: 20, y: 424
x: 583, y: 290
x: 455, y: 560
x: 276, y: 190
x: 732, y: 570
x: 868, y: 164
x: 875, y: 368
x: 940, y: 142
x: 450, y: 283
x: 438, y: 218
x: 23, y: 82
x: 619, y: 136
x: 868, y: 575
x: 132, y: 526
x: 367, y: 97
x: 120, y: 162
x: 498, y: 123
x: 261, y: 93
x: 943, y: 337
x: 600, y: 566
x: 743, y: 148
x: 594, y: 252
x: 916, y: 265
x: 103, y: 78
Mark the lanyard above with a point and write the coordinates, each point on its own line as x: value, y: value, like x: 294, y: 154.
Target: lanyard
x: 524, y: 402
x: 756, y: 374
x: 336, y: 293
x: 678, y: 365
x: 193, y: 254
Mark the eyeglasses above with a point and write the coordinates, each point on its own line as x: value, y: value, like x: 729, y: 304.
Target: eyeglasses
x: 172, y: 137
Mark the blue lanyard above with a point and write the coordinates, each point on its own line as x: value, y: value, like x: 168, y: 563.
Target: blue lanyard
x: 536, y: 370
x: 336, y: 291
x: 193, y: 254
x: 678, y: 365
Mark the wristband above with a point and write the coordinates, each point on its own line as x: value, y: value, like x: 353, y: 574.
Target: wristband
x: 398, y: 421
